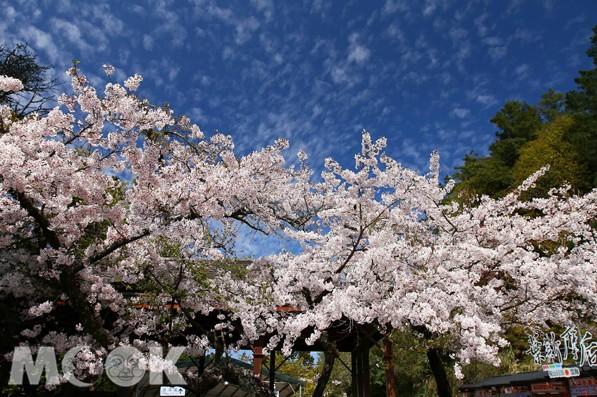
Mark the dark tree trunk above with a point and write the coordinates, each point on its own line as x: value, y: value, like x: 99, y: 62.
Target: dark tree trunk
x: 439, y: 373
x: 329, y: 354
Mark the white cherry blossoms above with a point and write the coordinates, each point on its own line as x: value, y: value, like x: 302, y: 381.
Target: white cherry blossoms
x: 387, y: 249
x: 109, y: 194
x: 10, y: 84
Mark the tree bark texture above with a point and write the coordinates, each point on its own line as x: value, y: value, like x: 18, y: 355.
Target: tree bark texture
x: 388, y: 347
x: 329, y: 354
x: 439, y: 373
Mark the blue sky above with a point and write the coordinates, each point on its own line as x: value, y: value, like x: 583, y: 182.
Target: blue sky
x: 425, y: 74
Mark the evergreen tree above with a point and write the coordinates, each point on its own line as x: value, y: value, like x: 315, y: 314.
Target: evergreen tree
x: 530, y: 137
x: 583, y: 104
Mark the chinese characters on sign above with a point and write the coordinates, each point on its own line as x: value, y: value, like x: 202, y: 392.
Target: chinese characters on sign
x: 570, y: 345
x: 583, y: 386
x: 563, y: 372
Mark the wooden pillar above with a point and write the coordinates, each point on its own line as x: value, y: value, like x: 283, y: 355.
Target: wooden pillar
x: 201, y: 364
x: 361, y: 378
x: 354, y: 365
x: 272, y: 371
x: 388, y: 357
x: 257, y: 359
x: 366, y: 370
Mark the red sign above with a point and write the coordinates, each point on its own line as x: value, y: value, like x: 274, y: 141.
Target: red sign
x: 583, y: 386
x: 583, y: 381
x: 548, y: 387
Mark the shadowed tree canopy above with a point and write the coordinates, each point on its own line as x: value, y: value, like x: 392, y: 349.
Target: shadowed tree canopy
x: 20, y: 62
x: 517, y: 120
x: 584, y: 99
x: 583, y: 104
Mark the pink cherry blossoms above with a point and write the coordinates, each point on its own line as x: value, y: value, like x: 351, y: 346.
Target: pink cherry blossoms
x: 122, y: 218
x: 10, y: 84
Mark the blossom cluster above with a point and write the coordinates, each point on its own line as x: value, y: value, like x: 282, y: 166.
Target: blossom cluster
x: 108, y: 194
x: 10, y: 84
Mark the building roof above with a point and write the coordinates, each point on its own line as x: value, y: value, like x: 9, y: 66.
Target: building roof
x: 520, y: 378
x: 506, y: 380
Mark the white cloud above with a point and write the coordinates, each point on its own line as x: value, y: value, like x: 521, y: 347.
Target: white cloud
x: 173, y: 73
x: 223, y: 14
x: 278, y: 58
x: 9, y: 14
x: 394, y: 32
x: 460, y: 113
x: 147, y: 42
x: 457, y: 34
x: 227, y: 53
x: 42, y: 40
x: 522, y: 71
x: 549, y: 5
x: 487, y: 100
x: 447, y: 134
x: 480, y: 24
x: 464, y: 50
x: 319, y: 7
x: 112, y: 26
x: 391, y: 6
x: 265, y: 6
x: 493, y: 41
x: 69, y: 31
x: 245, y: 28
x: 513, y: 6
x: 339, y: 74
x: 526, y: 36
x: 430, y: 6
x: 356, y: 52
x: 444, y: 77
x: 497, y: 53
x: 359, y: 54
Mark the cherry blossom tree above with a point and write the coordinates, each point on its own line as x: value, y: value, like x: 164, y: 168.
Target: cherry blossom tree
x: 118, y: 222
x: 113, y: 210
x: 387, y: 249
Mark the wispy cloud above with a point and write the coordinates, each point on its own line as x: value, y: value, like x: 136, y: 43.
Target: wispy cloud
x: 460, y: 112
x: 41, y: 40
x: 357, y: 53
x: 265, y: 6
x: 244, y: 29
x: 425, y: 74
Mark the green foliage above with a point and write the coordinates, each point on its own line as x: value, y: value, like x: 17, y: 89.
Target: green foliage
x: 552, y: 148
x: 518, y: 123
x: 510, y: 364
x: 300, y: 365
x: 517, y: 120
x: 413, y: 374
x: 561, y: 130
x: 551, y: 105
x: 584, y: 100
x: 340, y: 380
x: 481, y: 175
x: 583, y: 104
